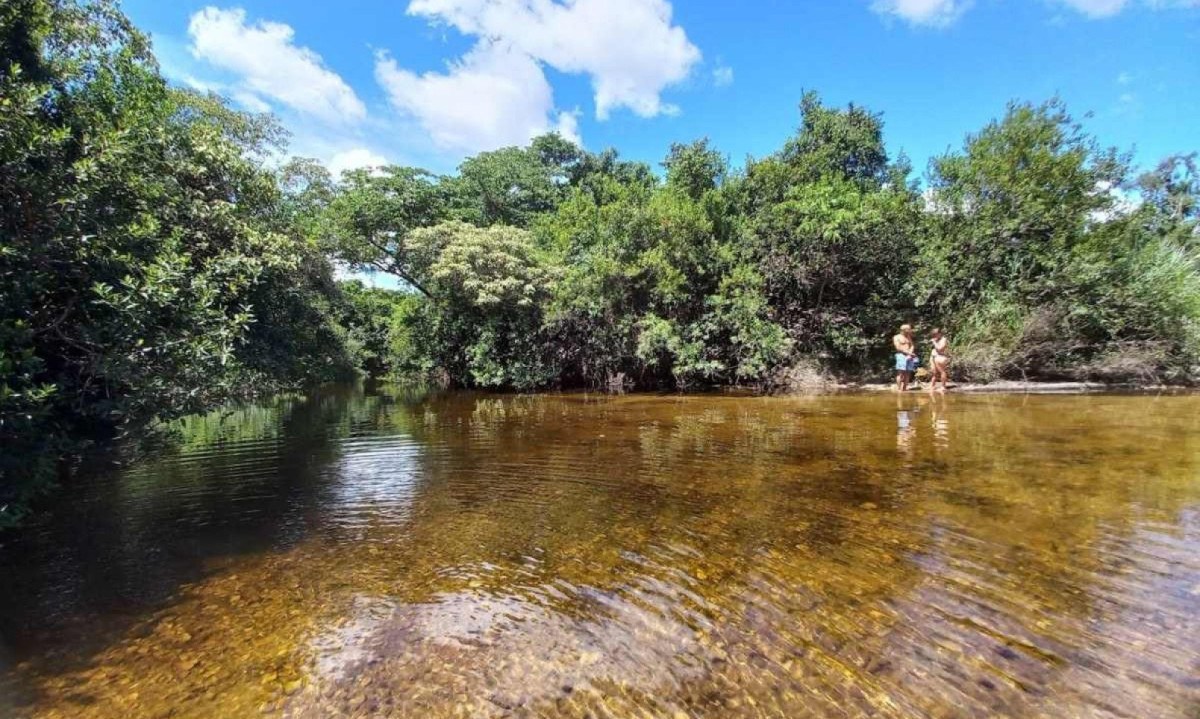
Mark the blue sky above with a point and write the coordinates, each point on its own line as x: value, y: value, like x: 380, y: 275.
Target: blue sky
x: 427, y: 82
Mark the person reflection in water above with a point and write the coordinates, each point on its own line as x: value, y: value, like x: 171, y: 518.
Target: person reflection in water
x: 905, y: 425
x: 941, y: 425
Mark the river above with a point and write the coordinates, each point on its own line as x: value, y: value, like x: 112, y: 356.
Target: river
x: 391, y: 553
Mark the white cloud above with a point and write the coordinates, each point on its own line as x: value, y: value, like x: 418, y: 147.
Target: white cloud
x: 628, y: 48
x: 199, y: 85
x: 723, y: 76
x: 250, y: 101
x: 1096, y: 8
x: 568, y: 126
x: 354, y: 159
x: 1123, y: 202
x: 269, y: 64
x: 1124, y: 78
x: 933, y: 13
x: 494, y: 96
x: 244, y: 98
x: 941, y: 13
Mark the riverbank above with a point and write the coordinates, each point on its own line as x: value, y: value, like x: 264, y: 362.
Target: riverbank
x: 1015, y: 387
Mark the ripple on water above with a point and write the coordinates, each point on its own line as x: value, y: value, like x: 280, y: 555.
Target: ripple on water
x: 472, y: 555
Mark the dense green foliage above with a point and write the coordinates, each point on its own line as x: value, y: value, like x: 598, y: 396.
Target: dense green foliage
x: 147, y: 268
x: 155, y: 260
x: 1036, y: 249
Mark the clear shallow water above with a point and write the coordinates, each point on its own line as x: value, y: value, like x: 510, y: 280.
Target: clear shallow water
x: 389, y: 554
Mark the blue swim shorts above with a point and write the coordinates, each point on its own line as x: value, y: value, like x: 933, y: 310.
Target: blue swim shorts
x: 904, y: 363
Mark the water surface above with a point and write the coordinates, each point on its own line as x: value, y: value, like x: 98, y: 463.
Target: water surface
x: 391, y: 554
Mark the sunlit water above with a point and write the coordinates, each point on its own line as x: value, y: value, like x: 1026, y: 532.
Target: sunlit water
x: 387, y: 554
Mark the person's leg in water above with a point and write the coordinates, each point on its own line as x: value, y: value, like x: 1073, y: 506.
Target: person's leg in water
x: 940, y: 371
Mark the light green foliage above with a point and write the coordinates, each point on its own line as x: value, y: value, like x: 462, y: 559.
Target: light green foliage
x: 489, y: 285
x: 485, y: 268
x: 410, y: 351
x: 740, y: 315
x: 1033, y: 253
x: 368, y: 316
x: 695, y: 169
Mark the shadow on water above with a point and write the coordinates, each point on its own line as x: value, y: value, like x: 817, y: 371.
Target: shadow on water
x: 572, y: 555
x: 120, y: 542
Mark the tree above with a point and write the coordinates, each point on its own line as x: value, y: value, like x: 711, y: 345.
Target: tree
x: 831, y: 224
x: 1019, y: 196
x: 491, y: 285
x: 1041, y: 265
x: 1173, y: 187
x: 513, y: 185
x: 138, y: 230
x: 369, y: 218
x: 836, y: 143
x: 695, y: 168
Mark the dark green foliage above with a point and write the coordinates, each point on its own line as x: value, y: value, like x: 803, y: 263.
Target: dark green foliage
x: 514, y: 185
x: 1023, y: 248
x: 831, y: 225
x: 846, y: 144
x: 142, y: 270
x: 369, y: 316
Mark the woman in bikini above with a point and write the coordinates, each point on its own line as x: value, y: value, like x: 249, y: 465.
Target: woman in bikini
x: 941, y: 360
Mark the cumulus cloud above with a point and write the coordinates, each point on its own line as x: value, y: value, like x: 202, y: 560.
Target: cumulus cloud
x: 568, y: 126
x: 268, y: 64
x: 250, y: 101
x: 723, y: 76
x: 932, y: 13
x: 354, y: 159
x: 629, y: 49
x: 493, y: 96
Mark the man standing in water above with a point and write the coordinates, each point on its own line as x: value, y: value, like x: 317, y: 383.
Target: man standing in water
x: 906, y: 357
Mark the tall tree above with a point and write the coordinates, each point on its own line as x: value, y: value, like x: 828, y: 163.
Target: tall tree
x: 136, y: 227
